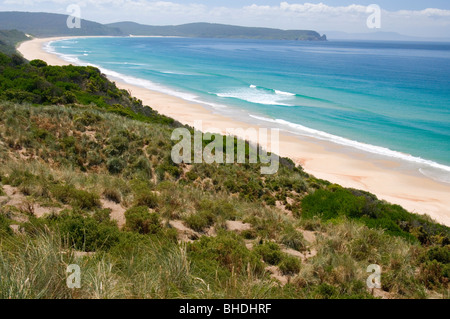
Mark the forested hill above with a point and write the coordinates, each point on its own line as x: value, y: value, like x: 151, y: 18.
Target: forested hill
x: 212, y: 30
x: 50, y: 24
x: 9, y: 39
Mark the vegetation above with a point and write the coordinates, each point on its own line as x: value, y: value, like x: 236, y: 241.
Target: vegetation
x: 214, y: 30
x: 50, y: 24
x: 9, y: 39
x: 86, y: 178
x: 41, y: 24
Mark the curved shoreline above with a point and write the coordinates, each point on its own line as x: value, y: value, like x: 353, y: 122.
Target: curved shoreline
x: 388, y: 179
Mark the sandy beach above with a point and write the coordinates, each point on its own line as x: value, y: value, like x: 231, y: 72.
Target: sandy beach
x: 386, y: 178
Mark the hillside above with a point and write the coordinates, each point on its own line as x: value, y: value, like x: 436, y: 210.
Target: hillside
x: 210, y: 30
x: 9, y: 39
x: 87, y: 178
x: 50, y: 24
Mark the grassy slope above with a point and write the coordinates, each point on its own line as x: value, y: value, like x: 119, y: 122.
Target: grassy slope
x: 9, y: 39
x: 98, y: 144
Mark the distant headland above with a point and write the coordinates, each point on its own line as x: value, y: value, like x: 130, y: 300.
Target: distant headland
x: 51, y: 24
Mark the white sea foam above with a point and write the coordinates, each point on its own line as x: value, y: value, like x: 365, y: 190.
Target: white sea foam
x: 284, y: 93
x: 439, y: 169
x: 253, y: 94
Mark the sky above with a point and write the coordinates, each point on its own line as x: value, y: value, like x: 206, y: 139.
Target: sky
x: 420, y: 18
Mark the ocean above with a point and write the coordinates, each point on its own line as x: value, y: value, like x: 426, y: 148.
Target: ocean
x: 386, y: 98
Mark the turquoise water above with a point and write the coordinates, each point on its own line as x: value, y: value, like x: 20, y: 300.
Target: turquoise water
x: 391, y: 99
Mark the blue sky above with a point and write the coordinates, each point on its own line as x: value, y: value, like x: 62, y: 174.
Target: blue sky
x: 414, y: 17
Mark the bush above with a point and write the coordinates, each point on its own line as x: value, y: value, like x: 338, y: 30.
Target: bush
x: 218, y: 208
x: 87, y: 118
x: 173, y: 170
x: 86, y: 200
x: 290, y: 265
x: 102, y: 216
x: 192, y: 176
x: 87, y: 234
x: 112, y: 195
x: 148, y: 199
x: 144, y: 167
x: 432, y: 274
x: 140, y: 220
x: 200, y: 220
x: 440, y: 254
x: 336, y: 202
x: 38, y: 63
x: 293, y: 239
x: 4, y: 226
x: 118, y: 145
x: 116, y: 165
x: 227, y: 251
x: 324, y: 291
x: 67, y: 194
x: 270, y: 252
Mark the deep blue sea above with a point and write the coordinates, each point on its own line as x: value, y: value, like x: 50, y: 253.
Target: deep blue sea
x: 385, y: 98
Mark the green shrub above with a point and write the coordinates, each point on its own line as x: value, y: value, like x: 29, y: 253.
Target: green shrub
x: 293, y: 239
x: 148, y: 199
x: 67, y: 194
x: 270, y: 252
x: 336, y: 202
x: 113, y: 195
x: 94, y: 158
x: 173, y: 170
x: 87, y: 234
x: 86, y: 200
x: 440, y: 254
x: 88, y: 118
x: 249, y: 234
x: 143, y: 167
x: 140, y: 220
x: 290, y: 265
x: 4, y: 226
x: 119, y: 144
x: 192, y: 176
x: 432, y: 274
x: 221, y: 208
x: 227, y: 251
x: 116, y: 165
x: 102, y: 216
x: 38, y: 63
x: 200, y: 220
x: 325, y: 291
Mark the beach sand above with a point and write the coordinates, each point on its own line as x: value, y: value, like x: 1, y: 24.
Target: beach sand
x: 388, y: 179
